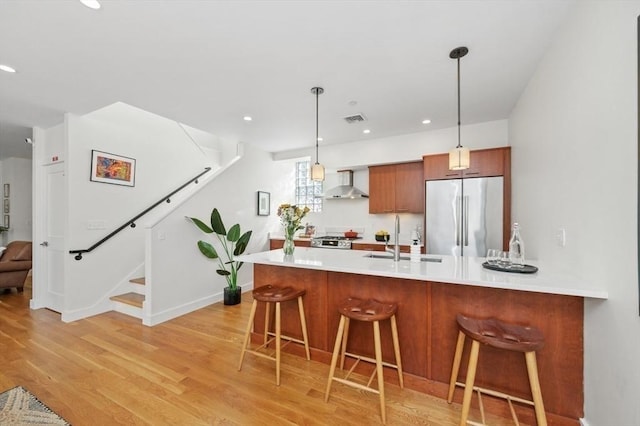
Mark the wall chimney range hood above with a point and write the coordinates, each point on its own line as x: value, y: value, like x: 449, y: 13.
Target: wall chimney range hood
x: 345, y: 189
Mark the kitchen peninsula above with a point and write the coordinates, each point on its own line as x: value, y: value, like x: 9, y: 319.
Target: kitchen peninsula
x: 429, y: 294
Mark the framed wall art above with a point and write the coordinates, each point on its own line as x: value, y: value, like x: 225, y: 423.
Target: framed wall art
x: 264, y: 200
x: 112, y: 168
x: 6, y: 205
x: 6, y: 190
x: 6, y: 221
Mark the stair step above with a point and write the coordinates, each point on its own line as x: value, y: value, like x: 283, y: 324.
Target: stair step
x: 133, y: 299
x: 138, y: 280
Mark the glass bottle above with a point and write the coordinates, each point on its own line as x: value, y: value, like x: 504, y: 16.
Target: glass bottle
x: 516, y: 248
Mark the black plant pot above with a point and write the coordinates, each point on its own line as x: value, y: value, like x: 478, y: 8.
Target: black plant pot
x: 232, y: 297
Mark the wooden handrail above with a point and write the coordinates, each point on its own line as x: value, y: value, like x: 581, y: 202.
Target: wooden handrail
x: 132, y: 222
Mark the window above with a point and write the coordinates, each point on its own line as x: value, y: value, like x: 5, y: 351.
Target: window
x: 307, y: 191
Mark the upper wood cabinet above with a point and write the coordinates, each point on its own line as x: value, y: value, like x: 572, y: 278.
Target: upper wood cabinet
x: 396, y: 188
x: 483, y: 163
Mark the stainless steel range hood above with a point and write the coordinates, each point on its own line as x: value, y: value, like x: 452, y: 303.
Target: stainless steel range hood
x: 345, y: 190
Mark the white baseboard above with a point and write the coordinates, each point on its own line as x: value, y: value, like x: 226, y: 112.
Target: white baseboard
x: 583, y: 422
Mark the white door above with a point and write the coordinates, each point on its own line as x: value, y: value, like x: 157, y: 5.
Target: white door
x: 51, y: 284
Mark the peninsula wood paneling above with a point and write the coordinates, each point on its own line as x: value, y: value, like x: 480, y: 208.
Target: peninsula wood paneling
x: 560, y: 362
x: 315, y: 301
x: 427, y: 330
x: 411, y: 297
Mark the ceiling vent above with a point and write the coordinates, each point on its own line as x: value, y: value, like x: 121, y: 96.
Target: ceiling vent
x: 356, y: 118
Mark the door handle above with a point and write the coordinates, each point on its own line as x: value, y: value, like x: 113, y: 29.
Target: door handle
x: 45, y: 244
x: 466, y: 220
x: 457, y: 217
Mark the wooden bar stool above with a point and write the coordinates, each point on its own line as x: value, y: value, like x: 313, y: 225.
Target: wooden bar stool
x: 502, y: 336
x: 273, y: 294
x: 370, y: 311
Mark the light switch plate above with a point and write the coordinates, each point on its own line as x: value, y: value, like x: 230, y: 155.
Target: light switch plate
x: 561, y: 237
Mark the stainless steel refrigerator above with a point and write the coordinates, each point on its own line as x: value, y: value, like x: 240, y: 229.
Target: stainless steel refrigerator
x: 463, y: 217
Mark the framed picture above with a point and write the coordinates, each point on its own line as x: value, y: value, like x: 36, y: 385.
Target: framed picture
x: 111, y: 168
x: 6, y: 221
x: 263, y: 203
x: 6, y: 205
x: 6, y: 190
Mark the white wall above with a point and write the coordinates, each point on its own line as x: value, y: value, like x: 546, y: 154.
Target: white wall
x: 181, y: 275
x: 408, y: 147
x: 165, y: 159
x: 17, y: 173
x: 574, y: 139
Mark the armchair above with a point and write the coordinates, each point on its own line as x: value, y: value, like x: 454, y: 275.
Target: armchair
x: 15, y: 263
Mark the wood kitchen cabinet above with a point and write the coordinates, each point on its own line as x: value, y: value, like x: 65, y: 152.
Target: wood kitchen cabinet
x: 278, y: 243
x: 483, y: 163
x: 396, y: 188
x: 378, y: 247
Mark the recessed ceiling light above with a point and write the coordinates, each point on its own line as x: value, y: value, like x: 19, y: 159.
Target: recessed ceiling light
x: 427, y: 121
x: 366, y: 131
x: 7, y: 68
x: 353, y: 103
x: 91, y: 4
x: 247, y: 118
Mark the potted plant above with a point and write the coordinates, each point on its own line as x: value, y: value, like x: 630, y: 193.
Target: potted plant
x: 233, y: 243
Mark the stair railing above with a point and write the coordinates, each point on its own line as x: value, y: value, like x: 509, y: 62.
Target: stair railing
x: 132, y: 222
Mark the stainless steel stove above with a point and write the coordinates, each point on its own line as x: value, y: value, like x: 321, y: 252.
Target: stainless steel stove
x: 330, y: 241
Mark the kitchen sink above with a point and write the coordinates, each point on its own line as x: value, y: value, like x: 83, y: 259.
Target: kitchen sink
x: 402, y: 257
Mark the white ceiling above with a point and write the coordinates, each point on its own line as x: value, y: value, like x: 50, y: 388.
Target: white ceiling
x: 209, y: 63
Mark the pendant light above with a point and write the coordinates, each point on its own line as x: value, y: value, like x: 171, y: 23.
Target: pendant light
x: 459, y: 156
x: 317, y: 170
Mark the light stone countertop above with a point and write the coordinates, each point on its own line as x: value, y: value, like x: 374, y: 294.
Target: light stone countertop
x: 452, y: 270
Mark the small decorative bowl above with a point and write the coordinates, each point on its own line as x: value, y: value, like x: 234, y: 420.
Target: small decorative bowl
x: 382, y: 238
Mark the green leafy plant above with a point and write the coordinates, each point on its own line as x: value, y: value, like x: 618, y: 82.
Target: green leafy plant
x: 232, y: 242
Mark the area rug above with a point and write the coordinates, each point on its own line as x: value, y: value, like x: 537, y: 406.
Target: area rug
x: 18, y: 407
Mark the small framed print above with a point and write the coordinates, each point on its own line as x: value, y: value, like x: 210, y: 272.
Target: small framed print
x: 111, y: 168
x: 6, y: 221
x: 264, y: 200
x: 6, y: 205
x: 6, y: 190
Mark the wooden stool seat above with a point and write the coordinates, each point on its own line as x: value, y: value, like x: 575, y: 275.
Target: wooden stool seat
x: 367, y: 310
x: 373, y: 312
x: 273, y: 294
x: 269, y: 293
x: 501, y: 335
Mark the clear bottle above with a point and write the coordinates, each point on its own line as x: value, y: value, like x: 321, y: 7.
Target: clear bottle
x: 516, y: 248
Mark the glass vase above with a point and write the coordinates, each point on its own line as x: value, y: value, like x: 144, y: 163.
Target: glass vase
x: 288, y: 246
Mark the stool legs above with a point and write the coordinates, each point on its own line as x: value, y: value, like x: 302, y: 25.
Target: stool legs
x: 468, y: 386
x: 334, y: 357
x: 456, y: 366
x: 278, y: 325
x: 534, y: 382
x: 303, y: 324
x: 532, y: 371
x: 247, y: 334
x: 277, y: 335
x: 378, y: 350
x: 340, y: 349
x: 396, y: 349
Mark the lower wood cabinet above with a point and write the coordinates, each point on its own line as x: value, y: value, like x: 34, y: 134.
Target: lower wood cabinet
x: 278, y: 244
x: 378, y: 247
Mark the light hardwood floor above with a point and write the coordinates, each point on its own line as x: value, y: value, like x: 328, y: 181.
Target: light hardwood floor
x: 110, y: 370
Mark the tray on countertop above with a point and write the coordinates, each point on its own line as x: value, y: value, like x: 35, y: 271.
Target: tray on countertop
x: 525, y: 269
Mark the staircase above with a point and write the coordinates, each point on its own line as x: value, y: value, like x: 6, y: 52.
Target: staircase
x: 131, y: 303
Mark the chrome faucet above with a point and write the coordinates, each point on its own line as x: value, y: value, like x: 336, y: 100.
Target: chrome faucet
x: 396, y: 240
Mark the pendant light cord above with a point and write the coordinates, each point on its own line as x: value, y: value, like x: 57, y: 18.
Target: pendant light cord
x: 317, y: 94
x: 459, y: 146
